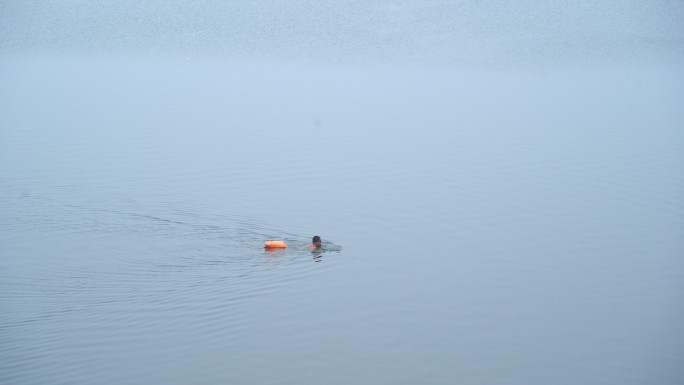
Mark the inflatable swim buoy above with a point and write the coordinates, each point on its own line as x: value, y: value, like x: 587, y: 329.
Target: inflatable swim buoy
x: 271, y: 244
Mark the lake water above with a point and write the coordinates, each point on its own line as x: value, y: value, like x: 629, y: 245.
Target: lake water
x: 511, y: 226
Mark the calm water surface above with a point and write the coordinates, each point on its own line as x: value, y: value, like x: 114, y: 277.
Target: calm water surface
x: 496, y: 227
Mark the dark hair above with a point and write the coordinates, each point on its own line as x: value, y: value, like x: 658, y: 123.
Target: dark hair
x: 316, y: 238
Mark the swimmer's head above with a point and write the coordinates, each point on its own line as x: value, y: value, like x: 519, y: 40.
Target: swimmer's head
x: 316, y: 240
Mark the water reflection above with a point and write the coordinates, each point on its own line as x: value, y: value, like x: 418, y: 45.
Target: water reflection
x: 326, y: 247
x: 274, y: 254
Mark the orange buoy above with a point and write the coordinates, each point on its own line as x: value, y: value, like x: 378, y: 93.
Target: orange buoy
x: 271, y: 244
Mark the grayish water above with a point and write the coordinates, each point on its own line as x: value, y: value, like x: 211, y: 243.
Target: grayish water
x: 519, y: 224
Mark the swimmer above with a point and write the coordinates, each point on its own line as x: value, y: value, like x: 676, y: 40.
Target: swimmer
x: 315, y: 243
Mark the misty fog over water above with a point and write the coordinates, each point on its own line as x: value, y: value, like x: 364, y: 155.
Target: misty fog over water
x: 452, y: 33
x: 498, y: 186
